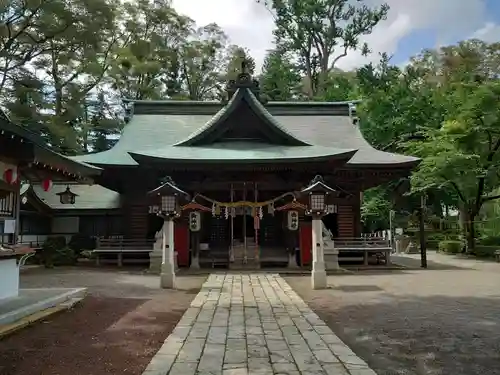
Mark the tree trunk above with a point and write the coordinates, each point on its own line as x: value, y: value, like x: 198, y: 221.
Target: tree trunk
x: 471, y: 234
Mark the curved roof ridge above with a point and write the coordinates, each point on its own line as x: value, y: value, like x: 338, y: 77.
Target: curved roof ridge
x: 219, y: 118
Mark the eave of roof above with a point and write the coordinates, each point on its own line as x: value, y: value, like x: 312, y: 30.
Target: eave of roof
x: 158, y: 125
x: 241, y: 152
x: 44, y: 155
x: 90, y: 197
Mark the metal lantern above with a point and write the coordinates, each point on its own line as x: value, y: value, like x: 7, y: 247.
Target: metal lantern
x: 169, y: 195
x: 67, y: 196
x: 293, y: 220
x: 194, y: 221
x: 318, y: 192
x: 169, y: 203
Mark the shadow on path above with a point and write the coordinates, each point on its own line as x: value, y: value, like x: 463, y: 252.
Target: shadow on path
x: 434, y: 335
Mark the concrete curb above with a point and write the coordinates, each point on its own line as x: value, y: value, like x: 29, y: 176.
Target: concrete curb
x: 48, y: 303
x: 8, y: 329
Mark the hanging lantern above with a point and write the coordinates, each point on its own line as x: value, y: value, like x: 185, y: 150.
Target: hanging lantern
x: 261, y: 213
x: 10, y: 176
x: 67, y: 196
x: 226, y: 212
x: 213, y: 209
x: 47, y: 184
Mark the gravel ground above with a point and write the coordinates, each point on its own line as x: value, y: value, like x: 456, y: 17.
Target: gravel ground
x: 116, y: 329
x: 440, y: 321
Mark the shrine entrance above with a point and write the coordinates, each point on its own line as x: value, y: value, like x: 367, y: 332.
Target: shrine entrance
x: 244, y: 250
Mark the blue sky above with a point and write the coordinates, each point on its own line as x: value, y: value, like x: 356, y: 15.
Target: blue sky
x: 419, y: 39
x: 411, y: 26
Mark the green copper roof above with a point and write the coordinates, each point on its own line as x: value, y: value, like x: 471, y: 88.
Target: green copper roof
x: 90, y: 197
x: 157, y: 126
x: 241, y: 152
x: 267, y: 124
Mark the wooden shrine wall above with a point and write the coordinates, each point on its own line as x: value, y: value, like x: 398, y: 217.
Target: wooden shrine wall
x: 135, y: 215
x: 349, y: 218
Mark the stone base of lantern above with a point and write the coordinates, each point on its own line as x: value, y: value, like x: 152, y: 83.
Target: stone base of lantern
x: 319, y: 278
x: 167, y: 276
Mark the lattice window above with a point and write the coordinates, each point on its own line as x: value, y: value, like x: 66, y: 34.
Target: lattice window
x: 7, y: 205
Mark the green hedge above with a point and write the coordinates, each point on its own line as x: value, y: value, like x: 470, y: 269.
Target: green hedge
x: 486, y: 251
x: 451, y: 247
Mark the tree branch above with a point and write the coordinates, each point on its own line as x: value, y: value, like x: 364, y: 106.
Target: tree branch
x: 490, y: 198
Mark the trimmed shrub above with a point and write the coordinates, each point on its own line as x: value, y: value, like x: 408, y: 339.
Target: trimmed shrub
x: 451, y: 247
x: 490, y: 241
x: 50, y: 248
x: 486, y: 251
x: 80, y: 242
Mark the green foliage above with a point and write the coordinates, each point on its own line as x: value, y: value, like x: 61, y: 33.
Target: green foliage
x: 51, y: 249
x: 321, y: 32
x: 375, y: 209
x: 280, y: 79
x: 451, y: 247
x: 486, y: 251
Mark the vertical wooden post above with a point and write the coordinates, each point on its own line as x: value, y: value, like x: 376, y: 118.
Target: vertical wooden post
x: 423, y: 250
x: 231, y: 245
x: 244, y: 224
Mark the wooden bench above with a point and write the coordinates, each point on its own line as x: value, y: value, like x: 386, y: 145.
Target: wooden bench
x: 120, y: 246
x: 497, y: 255
x: 379, y: 247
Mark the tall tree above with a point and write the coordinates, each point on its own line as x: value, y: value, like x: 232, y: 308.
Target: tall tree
x: 75, y: 64
x: 236, y: 57
x: 280, y: 78
x: 203, y: 59
x: 463, y: 156
x: 147, y: 64
x: 26, y: 28
x: 321, y: 32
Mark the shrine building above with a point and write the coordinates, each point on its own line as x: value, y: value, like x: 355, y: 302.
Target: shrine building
x: 243, y: 162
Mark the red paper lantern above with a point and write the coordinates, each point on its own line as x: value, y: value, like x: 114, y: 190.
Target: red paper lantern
x: 47, y: 184
x: 10, y: 176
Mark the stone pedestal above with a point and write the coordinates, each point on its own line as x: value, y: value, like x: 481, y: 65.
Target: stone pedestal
x: 195, y: 263
x: 155, y: 256
x: 332, y: 259
x: 318, y: 273
x: 292, y: 261
x: 167, y: 275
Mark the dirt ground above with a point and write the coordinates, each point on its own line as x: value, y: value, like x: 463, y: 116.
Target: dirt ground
x: 116, y: 329
x: 440, y: 321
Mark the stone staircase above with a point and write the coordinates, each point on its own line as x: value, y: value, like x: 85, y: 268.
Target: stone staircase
x: 242, y: 259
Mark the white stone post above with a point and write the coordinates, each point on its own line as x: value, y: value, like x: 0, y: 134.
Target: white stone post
x: 167, y: 275
x: 318, y: 273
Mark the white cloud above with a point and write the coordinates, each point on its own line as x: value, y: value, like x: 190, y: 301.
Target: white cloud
x: 490, y: 33
x: 250, y: 25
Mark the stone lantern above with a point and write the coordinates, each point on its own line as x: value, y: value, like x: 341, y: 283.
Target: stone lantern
x: 168, y: 196
x: 318, y: 194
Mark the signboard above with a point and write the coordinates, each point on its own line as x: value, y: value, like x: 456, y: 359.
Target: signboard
x: 9, y: 226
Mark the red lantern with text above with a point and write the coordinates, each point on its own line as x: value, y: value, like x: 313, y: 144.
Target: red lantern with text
x: 10, y: 176
x: 47, y: 184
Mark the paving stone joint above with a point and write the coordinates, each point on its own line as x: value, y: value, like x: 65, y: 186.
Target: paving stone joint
x: 253, y: 324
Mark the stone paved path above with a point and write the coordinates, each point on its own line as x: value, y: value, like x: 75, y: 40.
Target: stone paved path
x: 253, y: 324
